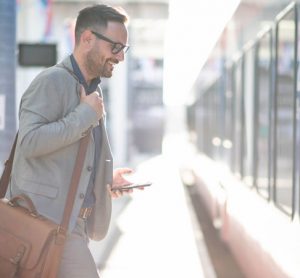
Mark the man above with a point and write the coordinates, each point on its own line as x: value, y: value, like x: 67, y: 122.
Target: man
x: 62, y: 105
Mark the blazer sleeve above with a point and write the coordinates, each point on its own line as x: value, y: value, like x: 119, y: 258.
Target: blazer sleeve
x: 51, y: 115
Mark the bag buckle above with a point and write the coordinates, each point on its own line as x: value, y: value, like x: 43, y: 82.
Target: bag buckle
x: 15, y: 260
x: 60, y: 235
x: 85, y: 212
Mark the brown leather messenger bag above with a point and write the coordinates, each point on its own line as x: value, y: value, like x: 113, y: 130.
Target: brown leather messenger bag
x: 30, y: 244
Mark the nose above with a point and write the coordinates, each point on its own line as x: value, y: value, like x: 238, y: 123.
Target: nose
x: 120, y: 56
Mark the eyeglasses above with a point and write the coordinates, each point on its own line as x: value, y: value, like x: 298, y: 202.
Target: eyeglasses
x: 116, y: 46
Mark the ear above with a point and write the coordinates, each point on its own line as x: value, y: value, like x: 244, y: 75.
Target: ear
x: 86, y: 38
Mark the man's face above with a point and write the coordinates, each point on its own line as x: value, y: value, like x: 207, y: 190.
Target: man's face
x: 100, y: 60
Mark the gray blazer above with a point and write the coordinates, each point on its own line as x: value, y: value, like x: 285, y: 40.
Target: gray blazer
x: 52, y: 122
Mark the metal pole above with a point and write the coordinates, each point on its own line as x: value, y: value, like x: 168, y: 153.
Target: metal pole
x: 7, y: 77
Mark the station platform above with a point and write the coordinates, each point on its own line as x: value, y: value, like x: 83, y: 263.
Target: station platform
x: 154, y: 233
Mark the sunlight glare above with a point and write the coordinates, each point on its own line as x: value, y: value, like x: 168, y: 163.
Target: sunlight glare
x: 192, y: 31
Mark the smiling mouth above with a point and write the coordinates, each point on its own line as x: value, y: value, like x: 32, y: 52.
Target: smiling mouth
x: 112, y: 64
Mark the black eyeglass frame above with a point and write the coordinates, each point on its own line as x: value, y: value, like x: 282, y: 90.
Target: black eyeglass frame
x: 116, y: 46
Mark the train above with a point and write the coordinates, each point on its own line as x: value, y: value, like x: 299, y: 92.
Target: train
x: 244, y: 127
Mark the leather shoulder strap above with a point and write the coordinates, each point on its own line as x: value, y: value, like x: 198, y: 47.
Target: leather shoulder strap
x: 4, y: 180
x: 75, y: 181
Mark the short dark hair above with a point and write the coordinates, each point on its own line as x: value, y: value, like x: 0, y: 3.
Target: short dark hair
x: 98, y: 16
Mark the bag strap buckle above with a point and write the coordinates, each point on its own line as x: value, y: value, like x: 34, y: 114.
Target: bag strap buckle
x: 60, y: 235
x: 18, y: 257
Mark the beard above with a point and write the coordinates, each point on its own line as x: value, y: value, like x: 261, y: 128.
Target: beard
x: 96, y: 66
x: 93, y: 64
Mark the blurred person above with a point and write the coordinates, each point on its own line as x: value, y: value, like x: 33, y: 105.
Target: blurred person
x: 62, y: 105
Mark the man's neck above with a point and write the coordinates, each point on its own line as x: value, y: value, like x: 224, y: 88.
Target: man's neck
x: 80, y: 64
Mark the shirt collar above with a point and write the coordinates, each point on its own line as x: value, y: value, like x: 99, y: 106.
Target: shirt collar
x: 94, y: 83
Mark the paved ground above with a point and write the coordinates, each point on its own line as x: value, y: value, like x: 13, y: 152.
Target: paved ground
x: 154, y: 233
x: 164, y: 231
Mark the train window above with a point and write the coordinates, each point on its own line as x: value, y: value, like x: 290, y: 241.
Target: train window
x: 208, y: 121
x: 212, y: 121
x: 238, y: 116
x: 203, y: 127
x: 248, y: 110
x: 206, y: 127
x: 284, y: 105
x: 216, y: 119
x: 263, y: 114
x: 198, y: 123
x: 227, y: 133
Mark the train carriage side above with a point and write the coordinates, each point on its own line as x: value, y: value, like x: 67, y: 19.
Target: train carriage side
x: 246, y: 168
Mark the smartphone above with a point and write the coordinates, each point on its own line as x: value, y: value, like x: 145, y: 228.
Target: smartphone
x: 131, y: 186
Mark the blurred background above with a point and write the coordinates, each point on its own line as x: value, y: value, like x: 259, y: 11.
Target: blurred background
x: 170, y: 42
x: 133, y: 98
x: 172, y: 97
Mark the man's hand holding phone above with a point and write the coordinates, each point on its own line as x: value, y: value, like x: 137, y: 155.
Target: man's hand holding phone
x: 124, y: 181
x: 131, y: 186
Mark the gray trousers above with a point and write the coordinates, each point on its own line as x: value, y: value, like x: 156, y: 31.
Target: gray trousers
x: 77, y: 260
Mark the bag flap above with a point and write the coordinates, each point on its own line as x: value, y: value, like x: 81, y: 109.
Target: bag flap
x: 13, y: 249
x: 24, y: 235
